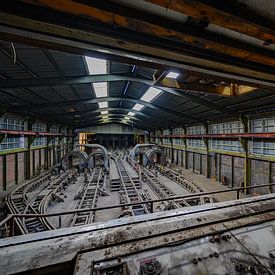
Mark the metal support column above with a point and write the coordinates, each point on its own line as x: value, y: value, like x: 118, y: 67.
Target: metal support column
x: 270, y: 176
x: 232, y: 171
x: 4, y: 171
x: 16, y: 168
x: 46, y: 152
x: 208, y: 158
x: 185, y: 149
x: 247, y: 164
x: 171, y: 146
x: 30, y: 140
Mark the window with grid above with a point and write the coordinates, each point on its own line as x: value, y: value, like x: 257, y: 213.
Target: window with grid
x: 226, y: 127
x: 262, y: 147
x: 263, y: 125
x: 39, y: 127
x: 226, y: 145
x: 199, y: 143
x: 178, y: 141
x: 10, y: 123
x: 54, y: 129
x: 198, y: 129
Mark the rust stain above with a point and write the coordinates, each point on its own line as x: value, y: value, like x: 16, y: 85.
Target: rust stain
x: 78, y: 9
x: 205, y: 12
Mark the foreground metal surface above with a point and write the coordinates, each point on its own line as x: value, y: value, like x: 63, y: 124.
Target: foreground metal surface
x: 230, y: 237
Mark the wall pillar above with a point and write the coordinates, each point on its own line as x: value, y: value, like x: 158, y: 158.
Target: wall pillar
x: 247, y: 164
x: 30, y: 140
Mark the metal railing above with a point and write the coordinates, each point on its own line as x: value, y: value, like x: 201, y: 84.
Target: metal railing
x: 10, y: 218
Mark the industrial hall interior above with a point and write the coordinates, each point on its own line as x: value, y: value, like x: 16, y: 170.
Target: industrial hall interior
x: 137, y: 137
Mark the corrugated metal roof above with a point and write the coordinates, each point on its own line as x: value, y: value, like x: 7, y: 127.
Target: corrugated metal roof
x: 35, y: 62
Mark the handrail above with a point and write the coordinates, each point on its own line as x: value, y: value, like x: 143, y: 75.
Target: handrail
x: 238, y: 189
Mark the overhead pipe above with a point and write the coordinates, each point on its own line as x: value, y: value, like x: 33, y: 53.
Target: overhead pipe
x: 97, y: 146
x: 65, y: 160
x: 132, y: 153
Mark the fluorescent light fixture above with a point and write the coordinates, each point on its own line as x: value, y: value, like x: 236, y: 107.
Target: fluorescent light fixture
x: 172, y: 75
x: 138, y: 107
x: 131, y: 114
x: 126, y: 118
x: 103, y: 104
x: 96, y: 66
x: 100, y: 89
x: 104, y: 112
x: 105, y: 117
x: 151, y: 94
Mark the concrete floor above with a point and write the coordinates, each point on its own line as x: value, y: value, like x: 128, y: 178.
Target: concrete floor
x: 113, y: 198
x: 68, y: 204
x: 209, y: 185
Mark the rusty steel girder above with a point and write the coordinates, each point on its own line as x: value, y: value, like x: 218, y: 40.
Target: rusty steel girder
x: 119, y: 32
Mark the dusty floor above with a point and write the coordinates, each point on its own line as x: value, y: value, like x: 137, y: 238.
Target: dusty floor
x: 114, y: 199
x: 210, y: 185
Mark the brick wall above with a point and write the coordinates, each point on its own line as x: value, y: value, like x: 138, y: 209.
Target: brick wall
x: 238, y: 170
x: 10, y: 166
x: 10, y: 170
x: 259, y: 175
x: 21, y: 167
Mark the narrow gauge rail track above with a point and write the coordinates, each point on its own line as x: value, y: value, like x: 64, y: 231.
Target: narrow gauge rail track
x: 160, y: 189
x: 130, y: 189
x: 186, y: 184
x: 89, y: 198
x: 32, y: 198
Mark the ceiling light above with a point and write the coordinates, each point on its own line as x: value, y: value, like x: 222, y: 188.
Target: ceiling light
x: 126, y: 118
x: 131, y: 114
x: 104, y: 112
x: 105, y: 117
x: 138, y: 107
x: 151, y: 94
x: 172, y: 75
x: 103, y: 104
x: 96, y: 66
x: 100, y: 89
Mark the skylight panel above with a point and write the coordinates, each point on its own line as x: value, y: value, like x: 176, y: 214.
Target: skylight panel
x: 151, y: 94
x: 103, y: 104
x: 100, y: 89
x: 96, y: 66
x: 138, y: 107
x: 172, y: 75
x: 131, y: 114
